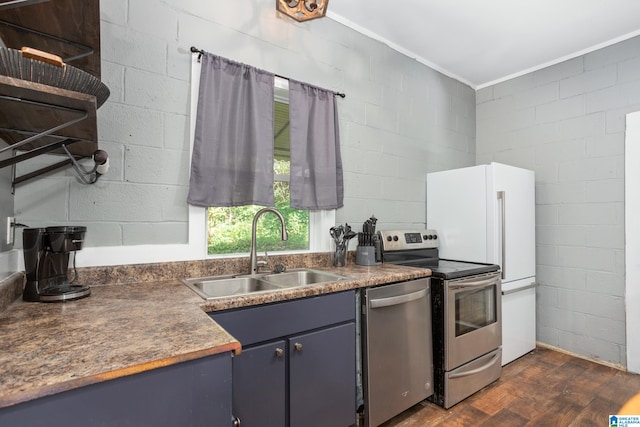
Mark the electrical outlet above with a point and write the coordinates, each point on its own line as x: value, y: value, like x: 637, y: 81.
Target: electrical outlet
x: 11, y: 225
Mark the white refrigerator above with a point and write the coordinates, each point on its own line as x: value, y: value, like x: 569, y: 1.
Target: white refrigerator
x: 486, y: 213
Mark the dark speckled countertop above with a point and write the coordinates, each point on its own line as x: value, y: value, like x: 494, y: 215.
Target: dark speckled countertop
x: 134, y: 327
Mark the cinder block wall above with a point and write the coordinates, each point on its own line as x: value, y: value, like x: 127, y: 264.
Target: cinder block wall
x: 567, y: 123
x: 400, y: 119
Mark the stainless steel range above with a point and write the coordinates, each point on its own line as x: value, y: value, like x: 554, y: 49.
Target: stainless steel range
x: 466, y: 314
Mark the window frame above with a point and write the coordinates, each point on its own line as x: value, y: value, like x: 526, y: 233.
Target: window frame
x: 320, y: 221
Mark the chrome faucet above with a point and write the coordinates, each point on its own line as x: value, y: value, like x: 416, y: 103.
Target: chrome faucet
x: 253, y: 258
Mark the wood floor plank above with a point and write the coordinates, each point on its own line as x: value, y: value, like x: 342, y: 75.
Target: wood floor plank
x: 495, y: 399
x: 542, y: 388
x: 505, y: 417
x: 596, y: 413
x: 559, y: 412
x: 462, y: 416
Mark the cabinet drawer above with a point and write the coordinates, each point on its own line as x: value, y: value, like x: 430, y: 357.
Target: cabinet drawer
x: 257, y: 324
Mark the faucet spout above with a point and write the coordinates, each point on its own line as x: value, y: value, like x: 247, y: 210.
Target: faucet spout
x: 253, y: 258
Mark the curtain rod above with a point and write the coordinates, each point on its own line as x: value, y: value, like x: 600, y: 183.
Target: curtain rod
x: 201, y: 52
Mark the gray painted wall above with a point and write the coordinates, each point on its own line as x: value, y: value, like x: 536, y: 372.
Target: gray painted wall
x: 567, y: 123
x: 399, y: 120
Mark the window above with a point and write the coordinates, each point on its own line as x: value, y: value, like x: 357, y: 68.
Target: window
x: 229, y: 229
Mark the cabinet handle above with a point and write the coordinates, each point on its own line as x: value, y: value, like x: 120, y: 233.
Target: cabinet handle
x: 236, y: 422
x: 279, y: 352
x: 297, y: 346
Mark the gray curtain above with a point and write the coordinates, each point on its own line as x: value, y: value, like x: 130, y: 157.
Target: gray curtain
x: 316, y: 165
x: 232, y: 160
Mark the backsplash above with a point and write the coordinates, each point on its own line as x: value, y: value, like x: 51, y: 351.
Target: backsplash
x: 124, y: 274
x: 11, y: 287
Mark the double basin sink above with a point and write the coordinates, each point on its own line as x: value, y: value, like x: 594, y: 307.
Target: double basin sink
x: 235, y: 285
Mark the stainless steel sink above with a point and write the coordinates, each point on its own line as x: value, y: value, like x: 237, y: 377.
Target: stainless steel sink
x: 234, y: 285
x: 303, y: 277
x: 224, y: 286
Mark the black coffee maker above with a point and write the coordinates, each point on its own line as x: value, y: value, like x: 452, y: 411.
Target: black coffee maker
x: 46, y: 263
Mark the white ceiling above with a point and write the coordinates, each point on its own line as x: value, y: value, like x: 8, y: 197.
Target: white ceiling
x: 484, y: 42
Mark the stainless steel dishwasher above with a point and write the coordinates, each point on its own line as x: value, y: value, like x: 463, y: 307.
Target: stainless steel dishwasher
x: 396, y: 348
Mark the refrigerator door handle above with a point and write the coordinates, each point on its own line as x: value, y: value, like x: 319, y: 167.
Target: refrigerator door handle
x: 503, y: 240
x: 524, y: 288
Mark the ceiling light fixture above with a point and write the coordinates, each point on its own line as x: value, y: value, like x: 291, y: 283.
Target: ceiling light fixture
x: 303, y: 10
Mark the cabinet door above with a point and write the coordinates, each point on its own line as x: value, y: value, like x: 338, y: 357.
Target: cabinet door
x: 259, y: 387
x: 322, y: 377
x: 193, y: 393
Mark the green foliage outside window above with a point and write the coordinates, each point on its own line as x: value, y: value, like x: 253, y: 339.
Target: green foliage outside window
x: 229, y: 229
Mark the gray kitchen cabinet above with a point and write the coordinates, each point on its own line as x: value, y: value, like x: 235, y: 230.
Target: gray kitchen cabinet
x: 322, y: 377
x: 298, y: 363
x: 194, y: 393
x: 259, y: 385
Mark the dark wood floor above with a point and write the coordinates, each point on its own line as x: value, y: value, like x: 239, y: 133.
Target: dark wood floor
x: 542, y: 388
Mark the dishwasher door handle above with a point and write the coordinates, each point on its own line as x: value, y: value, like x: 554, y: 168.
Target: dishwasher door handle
x: 400, y: 299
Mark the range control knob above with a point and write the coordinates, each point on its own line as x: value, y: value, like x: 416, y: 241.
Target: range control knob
x: 389, y: 238
x: 395, y: 238
x: 427, y: 237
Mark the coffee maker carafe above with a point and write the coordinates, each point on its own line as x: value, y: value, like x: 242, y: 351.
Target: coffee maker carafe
x: 46, y: 262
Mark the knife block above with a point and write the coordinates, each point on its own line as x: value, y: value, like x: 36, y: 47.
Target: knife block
x: 366, y: 255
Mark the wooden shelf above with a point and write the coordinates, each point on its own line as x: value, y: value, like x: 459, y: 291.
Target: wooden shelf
x: 66, y: 28
x: 27, y: 108
x: 11, y: 4
x: 39, y: 118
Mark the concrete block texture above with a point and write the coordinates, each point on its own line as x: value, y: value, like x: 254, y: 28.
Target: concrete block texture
x: 156, y: 92
x: 101, y: 234
x: 156, y: 166
x: 554, y: 278
x: 114, y: 11
x: 615, y: 54
x: 145, y: 45
x: 592, y: 347
x: 164, y: 24
x: 589, y: 81
x: 596, y: 305
x: 559, y: 110
x: 121, y: 45
x: 127, y: 124
x: 141, y: 233
x: 531, y: 97
x: 578, y: 157
x: 42, y: 199
x: 126, y: 202
x: 629, y: 70
x: 399, y: 121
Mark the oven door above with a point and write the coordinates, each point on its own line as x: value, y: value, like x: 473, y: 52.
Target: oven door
x: 473, y: 325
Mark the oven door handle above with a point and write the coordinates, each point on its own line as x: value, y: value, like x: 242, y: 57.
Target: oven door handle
x: 477, y: 370
x: 475, y: 284
x: 400, y: 299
